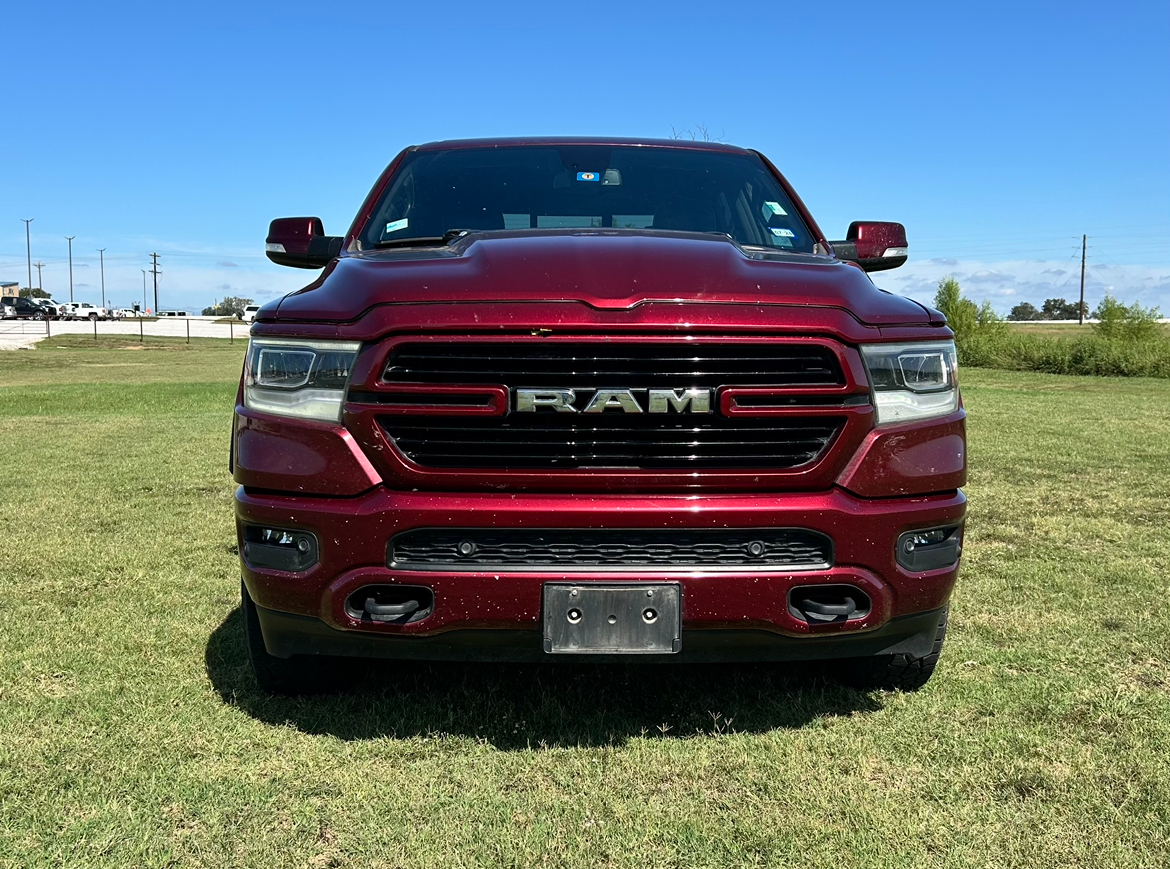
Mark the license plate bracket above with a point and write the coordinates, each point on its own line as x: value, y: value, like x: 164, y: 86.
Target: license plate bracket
x: 596, y: 618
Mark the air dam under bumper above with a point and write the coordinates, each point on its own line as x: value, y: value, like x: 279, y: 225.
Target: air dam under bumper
x: 726, y: 614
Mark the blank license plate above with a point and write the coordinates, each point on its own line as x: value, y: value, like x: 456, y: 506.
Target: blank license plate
x: 612, y: 618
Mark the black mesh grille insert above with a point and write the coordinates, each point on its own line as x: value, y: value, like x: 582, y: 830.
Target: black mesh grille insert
x: 652, y: 441
x: 631, y: 365
x: 574, y: 549
x: 610, y: 440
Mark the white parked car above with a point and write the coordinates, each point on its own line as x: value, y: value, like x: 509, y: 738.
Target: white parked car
x: 249, y: 315
x: 7, y: 312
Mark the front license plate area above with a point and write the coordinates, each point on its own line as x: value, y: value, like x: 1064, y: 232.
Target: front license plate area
x: 612, y: 618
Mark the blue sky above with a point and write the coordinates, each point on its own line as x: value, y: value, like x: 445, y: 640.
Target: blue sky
x: 997, y: 132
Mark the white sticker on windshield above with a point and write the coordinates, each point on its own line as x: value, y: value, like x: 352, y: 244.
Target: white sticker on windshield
x: 395, y: 225
x: 781, y: 232
x: 771, y: 208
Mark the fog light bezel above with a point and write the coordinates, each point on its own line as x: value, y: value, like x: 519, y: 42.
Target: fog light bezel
x: 259, y: 551
x: 919, y: 556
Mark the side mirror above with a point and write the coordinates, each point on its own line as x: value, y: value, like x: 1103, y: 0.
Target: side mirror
x: 874, y: 245
x: 301, y: 242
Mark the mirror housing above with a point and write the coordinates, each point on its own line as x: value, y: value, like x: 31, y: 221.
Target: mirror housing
x: 301, y: 242
x: 874, y: 245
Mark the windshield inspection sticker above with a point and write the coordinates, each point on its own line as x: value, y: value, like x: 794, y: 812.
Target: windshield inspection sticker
x: 774, y: 208
x: 781, y: 232
x: 588, y: 176
x: 395, y: 225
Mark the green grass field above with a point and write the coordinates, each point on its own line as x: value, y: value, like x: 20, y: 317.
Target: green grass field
x: 1060, y: 330
x: 131, y: 733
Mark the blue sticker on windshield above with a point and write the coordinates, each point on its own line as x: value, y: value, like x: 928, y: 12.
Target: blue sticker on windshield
x: 588, y: 176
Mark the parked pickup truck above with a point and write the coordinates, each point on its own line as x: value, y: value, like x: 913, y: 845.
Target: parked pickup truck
x: 84, y: 311
x: 593, y: 400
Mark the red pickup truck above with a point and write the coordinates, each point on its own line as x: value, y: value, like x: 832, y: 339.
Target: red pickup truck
x: 591, y: 399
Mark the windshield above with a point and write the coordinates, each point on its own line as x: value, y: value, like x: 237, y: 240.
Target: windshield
x: 586, y: 186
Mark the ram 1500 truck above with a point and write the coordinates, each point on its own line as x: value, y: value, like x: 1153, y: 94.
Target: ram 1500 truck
x: 596, y: 400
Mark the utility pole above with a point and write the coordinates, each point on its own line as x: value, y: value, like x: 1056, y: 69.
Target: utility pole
x: 28, y: 252
x: 39, y: 266
x: 144, y: 292
x: 154, y: 271
x: 1081, y: 309
x: 102, y: 255
x: 69, y: 238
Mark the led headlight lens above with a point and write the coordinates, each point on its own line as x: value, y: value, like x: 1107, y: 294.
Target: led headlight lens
x: 912, y: 381
x: 303, y: 379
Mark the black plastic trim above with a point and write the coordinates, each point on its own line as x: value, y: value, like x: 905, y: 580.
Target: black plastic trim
x: 932, y: 556
x: 286, y: 635
x: 267, y: 556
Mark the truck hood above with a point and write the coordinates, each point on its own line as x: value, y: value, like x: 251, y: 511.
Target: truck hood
x: 607, y: 270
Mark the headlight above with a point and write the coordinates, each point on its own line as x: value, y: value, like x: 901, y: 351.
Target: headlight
x: 912, y: 381
x: 304, y: 379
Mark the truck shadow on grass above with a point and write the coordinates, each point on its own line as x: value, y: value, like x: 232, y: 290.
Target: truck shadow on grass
x: 516, y: 707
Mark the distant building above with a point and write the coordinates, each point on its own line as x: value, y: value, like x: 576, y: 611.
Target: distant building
x: 9, y: 288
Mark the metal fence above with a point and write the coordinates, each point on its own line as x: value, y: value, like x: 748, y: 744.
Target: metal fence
x: 23, y: 332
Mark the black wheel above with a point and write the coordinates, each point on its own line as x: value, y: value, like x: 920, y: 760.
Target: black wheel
x: 93, y: 316
x: 38, y: 316
x: 295, y: 675
x: 901, y: 672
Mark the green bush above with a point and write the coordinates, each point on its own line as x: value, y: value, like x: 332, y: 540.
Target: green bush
x: 1089, y: 355
x: 1129, y: 322
x: 1128, y: 342
x: 966, y: 319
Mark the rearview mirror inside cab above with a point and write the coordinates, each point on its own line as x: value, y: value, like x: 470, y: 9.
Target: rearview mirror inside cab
x: 874, y: 245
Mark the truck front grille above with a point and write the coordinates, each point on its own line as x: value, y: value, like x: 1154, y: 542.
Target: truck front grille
x: 564, y: 441
x: 634, y: 365
x: 474, y: 549
x: 547, y: 441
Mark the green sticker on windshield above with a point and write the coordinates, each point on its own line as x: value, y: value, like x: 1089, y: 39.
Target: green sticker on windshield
x: 771, y: 208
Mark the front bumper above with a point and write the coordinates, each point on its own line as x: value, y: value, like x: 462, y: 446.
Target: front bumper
x: 726, y: 615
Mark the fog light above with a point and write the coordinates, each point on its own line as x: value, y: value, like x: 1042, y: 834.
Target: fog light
x: 930, y: 549
x: 278, y: 548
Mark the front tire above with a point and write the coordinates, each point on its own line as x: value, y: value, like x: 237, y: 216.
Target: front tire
x: 93, y: 317
x: 296, y: 675
x: 901, y: 672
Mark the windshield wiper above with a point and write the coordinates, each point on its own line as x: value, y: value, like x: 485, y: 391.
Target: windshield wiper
x: 423, y: 241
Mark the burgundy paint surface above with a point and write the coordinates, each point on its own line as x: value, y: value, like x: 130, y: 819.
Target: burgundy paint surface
x: 349, y: 484
x: 609, y: 269
x: 353, y: 535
